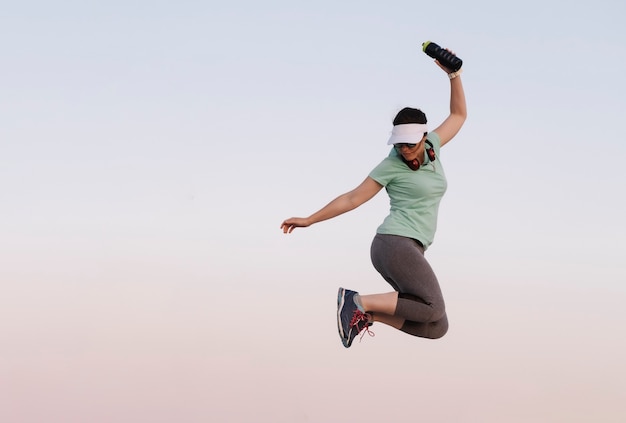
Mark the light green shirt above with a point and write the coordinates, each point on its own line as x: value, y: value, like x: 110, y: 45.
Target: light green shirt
x: 414, y: 196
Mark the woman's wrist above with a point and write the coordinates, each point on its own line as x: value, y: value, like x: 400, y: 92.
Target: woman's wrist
x: 455, y: 74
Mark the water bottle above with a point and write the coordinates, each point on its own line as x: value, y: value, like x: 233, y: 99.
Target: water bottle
x: 444, y: 57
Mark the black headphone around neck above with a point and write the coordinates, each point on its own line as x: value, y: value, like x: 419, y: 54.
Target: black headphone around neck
x: 415, y: 164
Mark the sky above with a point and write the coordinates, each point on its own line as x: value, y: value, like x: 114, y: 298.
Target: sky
x: 150, y: 150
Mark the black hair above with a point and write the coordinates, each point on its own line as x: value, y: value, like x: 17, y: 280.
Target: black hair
x: 409, y: 115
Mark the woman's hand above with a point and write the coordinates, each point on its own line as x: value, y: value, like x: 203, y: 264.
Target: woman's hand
x: 294, y: 222
x: 446, y: 70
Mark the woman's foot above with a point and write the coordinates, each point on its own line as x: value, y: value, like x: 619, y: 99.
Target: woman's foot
x: 351, y: 318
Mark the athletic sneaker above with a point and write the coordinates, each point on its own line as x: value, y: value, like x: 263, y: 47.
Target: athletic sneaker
x: 351, y: 318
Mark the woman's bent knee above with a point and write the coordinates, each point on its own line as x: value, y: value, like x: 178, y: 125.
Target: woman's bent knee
x: 439, y: 329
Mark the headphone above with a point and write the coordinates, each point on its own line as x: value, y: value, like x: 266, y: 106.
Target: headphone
x: 415, y: 164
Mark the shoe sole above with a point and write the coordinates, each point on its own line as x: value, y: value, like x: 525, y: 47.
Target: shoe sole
x: 340, y: 303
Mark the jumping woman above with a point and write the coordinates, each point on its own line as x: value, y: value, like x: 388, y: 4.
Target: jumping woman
x: 414, y: 179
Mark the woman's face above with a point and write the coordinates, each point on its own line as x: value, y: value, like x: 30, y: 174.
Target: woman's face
x: 410, y: 152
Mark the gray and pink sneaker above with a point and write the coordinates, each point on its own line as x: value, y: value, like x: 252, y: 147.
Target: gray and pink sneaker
x: 351, y: 318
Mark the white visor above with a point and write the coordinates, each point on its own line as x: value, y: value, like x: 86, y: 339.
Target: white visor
x: 410, y: 133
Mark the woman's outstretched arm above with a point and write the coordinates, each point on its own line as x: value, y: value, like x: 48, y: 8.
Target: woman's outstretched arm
x: 344, y: 203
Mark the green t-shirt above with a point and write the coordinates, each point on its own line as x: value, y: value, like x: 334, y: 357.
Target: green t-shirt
x: 414, y: 196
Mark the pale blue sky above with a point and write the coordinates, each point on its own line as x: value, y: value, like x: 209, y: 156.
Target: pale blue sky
x: 150, y: 151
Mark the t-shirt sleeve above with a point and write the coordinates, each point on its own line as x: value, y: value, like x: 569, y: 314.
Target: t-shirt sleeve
x: 384, y: 172
x: 433, y: 137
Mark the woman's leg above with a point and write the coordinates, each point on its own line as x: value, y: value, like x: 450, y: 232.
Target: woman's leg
x: 417, y: 307
x: 431, y: 330
x: 380, y: 303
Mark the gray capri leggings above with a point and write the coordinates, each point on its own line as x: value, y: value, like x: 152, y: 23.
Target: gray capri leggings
x: 401, y: 263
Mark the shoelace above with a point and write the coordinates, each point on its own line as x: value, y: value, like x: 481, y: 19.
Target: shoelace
x: 358, y: 317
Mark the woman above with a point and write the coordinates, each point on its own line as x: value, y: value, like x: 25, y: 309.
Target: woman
x: 415, y: 181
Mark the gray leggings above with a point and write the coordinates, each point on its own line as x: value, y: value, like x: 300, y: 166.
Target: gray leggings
x: 401, y: 263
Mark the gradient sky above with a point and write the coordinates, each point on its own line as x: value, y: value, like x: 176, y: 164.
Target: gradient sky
x: 150, y: 150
